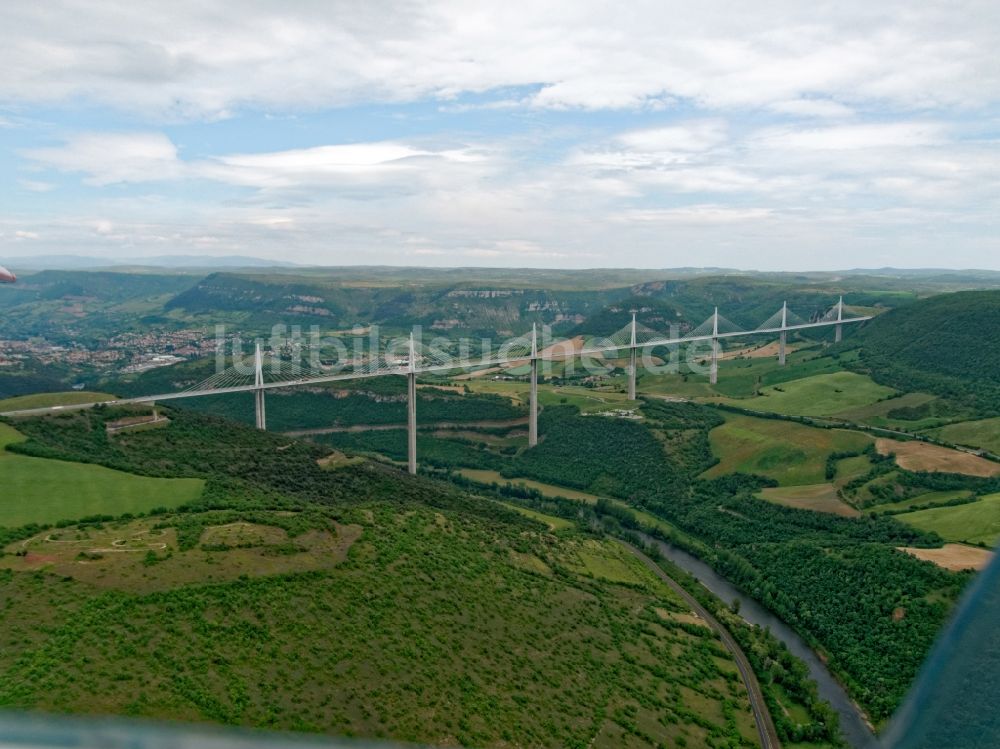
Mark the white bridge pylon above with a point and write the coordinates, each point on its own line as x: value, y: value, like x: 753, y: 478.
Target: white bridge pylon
x: 270, y: 372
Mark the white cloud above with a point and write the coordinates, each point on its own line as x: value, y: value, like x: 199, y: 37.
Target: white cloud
x: 691, y: 137
x: 777, y: 125
x: 820, y: 108
x: 192, y: 59
x: 107, y: 158
x: 111, y: 158
x: 853, y: 137
x: 697, y: 214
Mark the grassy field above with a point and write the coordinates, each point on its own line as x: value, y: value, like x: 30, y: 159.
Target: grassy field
x: 792, y: 454
x: 849, y: 468
x: 930, y: 498
x: 548, y: 490
x: 553, y: 490
x: 983, y: 433
x: 877, y: 414
x: 586, y: 399
x: 682, y: 386
x: 819, y: 395
x: 37, y: 490
x: 451, y: 629
x: 977, y: 522
x: 738, y: 378
x: 554, y: 522
x: 43, y: 400
x: 516, y: 391
x: 815, y: 497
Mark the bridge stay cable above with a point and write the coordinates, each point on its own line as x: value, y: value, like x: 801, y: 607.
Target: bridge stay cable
x: 268, y: 370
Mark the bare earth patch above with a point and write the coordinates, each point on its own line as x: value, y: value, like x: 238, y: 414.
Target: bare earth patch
x: 768, y: 350
x: 337, y: 459
x: 688, y: 618
x: 100, y: 555
x: 920, y: 456
x: 559, y: 349
x: 815, y: 497
x: 953, y: 556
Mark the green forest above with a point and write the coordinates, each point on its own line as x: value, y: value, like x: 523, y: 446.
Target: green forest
x: 805, y: 566
x: 948, y: 345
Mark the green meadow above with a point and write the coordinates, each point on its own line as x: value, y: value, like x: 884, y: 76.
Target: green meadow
x: 554, y: 522
x: 44, y: 400
x: 819, y: 395
x: 976, y: 522
x: 921, y: 500
x: 877, y: 414
x: 792, y: 454
x: 983, y: 433
x: 39, y: 490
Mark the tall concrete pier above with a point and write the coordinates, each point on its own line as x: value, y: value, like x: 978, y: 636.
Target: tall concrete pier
x: 783, y: 337
x: 713, y: 372
x: 258, y: 394
x: 239, y: 379
x: 838, y: 331
x: 533, y: 398
x: 411, y: 411
x: 631, y: 364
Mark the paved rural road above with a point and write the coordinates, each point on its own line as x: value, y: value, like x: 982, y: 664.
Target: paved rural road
x: 765, y: 726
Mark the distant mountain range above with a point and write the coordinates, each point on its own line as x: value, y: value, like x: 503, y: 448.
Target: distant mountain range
x: 83, y: 262
x: 619, y: 275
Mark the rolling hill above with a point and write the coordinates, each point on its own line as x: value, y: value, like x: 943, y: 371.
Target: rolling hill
x: 345, y: 597
x: 948, y: 345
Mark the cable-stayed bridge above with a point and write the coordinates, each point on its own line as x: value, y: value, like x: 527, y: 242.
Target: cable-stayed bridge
x: 263, y: 373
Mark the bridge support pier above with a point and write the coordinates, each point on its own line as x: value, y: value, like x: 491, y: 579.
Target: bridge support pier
x: 411, y: 413
x: 838, y: 331
x: 713, y: 371
x: 258, y: 394
x: 632, y: 364
x: 783, y: 337
x: 533, y: 397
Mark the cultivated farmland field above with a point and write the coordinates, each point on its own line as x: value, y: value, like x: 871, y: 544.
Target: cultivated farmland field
x: 39, y: 490
x: 921, y: 456
x: 877, y: 414
x: 983, y: 433
x: 921, y: 500
x: 819, y: 395
x: 954, y: 557
x: 976, y: 522
x: 816, y: 497
x: 792, y: 454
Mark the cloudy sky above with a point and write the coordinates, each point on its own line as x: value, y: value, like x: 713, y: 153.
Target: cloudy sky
x: 774, y: 135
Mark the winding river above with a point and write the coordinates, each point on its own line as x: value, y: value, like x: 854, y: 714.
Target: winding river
x: 852, y: 722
